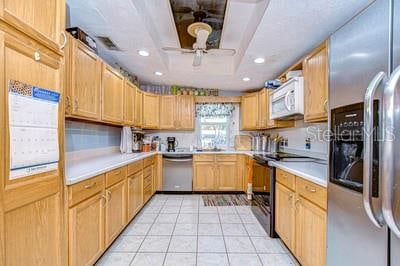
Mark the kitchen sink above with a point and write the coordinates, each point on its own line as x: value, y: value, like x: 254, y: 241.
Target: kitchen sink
x: 208, y: 150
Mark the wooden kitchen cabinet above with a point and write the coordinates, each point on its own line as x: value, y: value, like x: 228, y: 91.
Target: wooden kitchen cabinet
x: 31, y: 207
x: 138, y: 113
x: 86, y: 231
x: 227, y: 176
x: 285, y: 214
x: 151, y: 111
x: 204, y: 176
x: 112, y: 95
x: 42, y: 20
x: 249, y: 111
x: 168, y: 108
x: 129, y: 103
x: 115, y: 211
x: 310, y: 233
x: 315, y: 71
x: 135, y: 194
x: 83, y: 81
x: 186, y: 112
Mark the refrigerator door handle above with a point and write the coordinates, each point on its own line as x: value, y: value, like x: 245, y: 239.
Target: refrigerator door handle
x: 388, y: 170
x: 368, y: 149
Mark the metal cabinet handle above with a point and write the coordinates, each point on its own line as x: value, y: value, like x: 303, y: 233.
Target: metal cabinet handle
x: 103, y: 200
x: 67, y: 102
x: 36, y: 56
x: 326, y: 105
x: 90, y: 186
x: 388, y: 151
x: 311, y: 189
x: 62, y: 46
x: 76, y: 105
x: 368, y: 149
x: 108, y: 194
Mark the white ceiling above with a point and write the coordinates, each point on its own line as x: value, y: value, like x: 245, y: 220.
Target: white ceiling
x: 281, y: 31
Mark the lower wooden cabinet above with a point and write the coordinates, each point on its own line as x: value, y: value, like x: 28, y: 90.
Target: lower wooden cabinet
x: 285, y: 214
x: 300, y: 220
x: 227, y: 176
x: 115, y: 211
x: 135, y: 194
x: 86, y: 231
x: 204, y: 173
x: 310, y: 233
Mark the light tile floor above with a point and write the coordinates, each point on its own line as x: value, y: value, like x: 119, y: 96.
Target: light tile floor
x: 179, y: 230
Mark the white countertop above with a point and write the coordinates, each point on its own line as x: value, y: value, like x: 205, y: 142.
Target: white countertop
x: 79, y: 167
x: 311, y: 171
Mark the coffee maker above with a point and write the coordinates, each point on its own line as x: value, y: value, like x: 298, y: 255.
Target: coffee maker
x: 172, y: 144
x: 137, y: 141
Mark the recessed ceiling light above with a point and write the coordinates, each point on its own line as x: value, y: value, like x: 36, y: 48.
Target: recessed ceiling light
x: 245, y: 79
x: 158, y: 73
x: 259, y: 60
x: 143, y: 53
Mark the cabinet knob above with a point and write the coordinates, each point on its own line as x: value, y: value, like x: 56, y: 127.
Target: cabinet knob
x: 62, y: 46
x: 90, y: 186
x: 36, y: 56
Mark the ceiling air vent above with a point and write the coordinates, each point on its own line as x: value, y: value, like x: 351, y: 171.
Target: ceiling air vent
x: 108, y: 43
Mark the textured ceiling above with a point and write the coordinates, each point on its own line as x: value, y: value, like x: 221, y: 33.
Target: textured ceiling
x: 281, y: 31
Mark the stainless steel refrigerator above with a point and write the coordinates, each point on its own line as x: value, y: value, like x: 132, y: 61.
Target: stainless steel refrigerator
x: 364, y: 169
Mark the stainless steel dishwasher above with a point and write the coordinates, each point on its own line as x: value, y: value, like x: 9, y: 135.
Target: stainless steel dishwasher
x: 177, y: 172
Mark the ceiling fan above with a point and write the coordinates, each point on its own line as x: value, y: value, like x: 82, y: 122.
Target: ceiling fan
x: 200, y: 31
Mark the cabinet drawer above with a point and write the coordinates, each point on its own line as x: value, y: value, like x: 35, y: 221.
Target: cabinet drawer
x: 85, y: 189
x: 312, y: 192
x: 204, y: 157
x: 135, y: 167
x: 147, y: 181
x: 148, y: 161
x: 226, y: 158
x: 285, y: 178
x: 147, y: 171
x: 115, y: 176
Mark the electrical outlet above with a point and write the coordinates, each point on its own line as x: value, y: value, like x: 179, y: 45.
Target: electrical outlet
x: 308, y: 144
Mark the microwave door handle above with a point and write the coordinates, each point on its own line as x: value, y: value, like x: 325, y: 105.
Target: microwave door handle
x: 388, y: 171
x: 287, y: 101
x: 368, y: 149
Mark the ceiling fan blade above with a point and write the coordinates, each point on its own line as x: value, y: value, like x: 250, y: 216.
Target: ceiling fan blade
x: 180, y: 50
x: 197, y: 58
x: 226, y: 52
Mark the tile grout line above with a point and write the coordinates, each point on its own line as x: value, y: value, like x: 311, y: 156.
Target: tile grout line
x: 170, y: 239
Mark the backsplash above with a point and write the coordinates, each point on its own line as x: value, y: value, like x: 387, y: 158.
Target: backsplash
x: 84, y: 136
x: 297, y: 137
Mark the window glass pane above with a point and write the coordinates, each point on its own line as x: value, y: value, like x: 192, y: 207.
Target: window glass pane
x: 214, y: 119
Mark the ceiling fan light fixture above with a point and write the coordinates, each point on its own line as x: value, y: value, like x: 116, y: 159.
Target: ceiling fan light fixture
x: 144, y: 53
x: 158, y: 73
x: 259, y: 60
x: 246, y: 79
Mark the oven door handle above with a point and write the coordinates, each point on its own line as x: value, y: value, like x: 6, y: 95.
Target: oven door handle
x: 377, y: 220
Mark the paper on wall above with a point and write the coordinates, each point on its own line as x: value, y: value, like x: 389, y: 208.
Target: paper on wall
x: 33, y: 122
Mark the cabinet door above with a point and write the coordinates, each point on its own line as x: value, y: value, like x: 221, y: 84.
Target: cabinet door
x: 310, y: 233
x: 186, y: 112
x: 112, y: 95
x: 168, y: 109
x: 42, y: 20
x: 151, y: 111
x: 115, y: 211
x: 138, y: 108
x: 83, y: 81
x: 204, y: 176
x: 315, y: 69
x: 129, y: 103
x: 263, y: 109
x: 249, y: 111
x: 86, y: 231
x: 135, y: 194
x: 285, y: 215
x: 227, y: 176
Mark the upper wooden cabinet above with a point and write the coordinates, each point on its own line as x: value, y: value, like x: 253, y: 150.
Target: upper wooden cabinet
x: 186, y: 112
x: 249, y: 111
x: 42, y: 20
x: 168, y: 112
x: 315, y: 71
x: 82, y: 79
x: 255, y: 112
x: 129, y: 103
x: 112, y: 106
x: 138, y: 113
x: 177, y: 112
x: 151, y: 110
